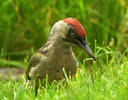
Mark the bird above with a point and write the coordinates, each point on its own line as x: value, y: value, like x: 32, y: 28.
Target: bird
x: 56, y: 54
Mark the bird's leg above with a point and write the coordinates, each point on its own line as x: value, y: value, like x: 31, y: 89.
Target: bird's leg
x: 36, y: 86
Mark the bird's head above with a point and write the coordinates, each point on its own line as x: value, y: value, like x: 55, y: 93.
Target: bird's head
x: 71, y: 31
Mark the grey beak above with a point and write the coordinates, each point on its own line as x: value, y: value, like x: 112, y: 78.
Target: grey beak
x: 88, y: 50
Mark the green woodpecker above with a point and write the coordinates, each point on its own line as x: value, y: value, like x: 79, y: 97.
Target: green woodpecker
x: 56, y: 54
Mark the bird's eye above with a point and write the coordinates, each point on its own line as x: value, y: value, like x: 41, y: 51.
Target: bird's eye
x: 71, y: 31
x: 72, y: 35
x: 71, y: 28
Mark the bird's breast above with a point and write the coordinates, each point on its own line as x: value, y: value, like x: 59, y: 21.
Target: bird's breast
x: 60, y: 61
x: 54, y: 64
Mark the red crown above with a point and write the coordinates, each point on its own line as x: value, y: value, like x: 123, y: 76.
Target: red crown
x: 76, y: 24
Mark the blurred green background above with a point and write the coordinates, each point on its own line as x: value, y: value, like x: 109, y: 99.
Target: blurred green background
x: 25, y: 25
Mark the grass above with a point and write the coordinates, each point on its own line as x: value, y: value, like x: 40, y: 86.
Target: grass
x: 25, y: 26
x: 106, y: 80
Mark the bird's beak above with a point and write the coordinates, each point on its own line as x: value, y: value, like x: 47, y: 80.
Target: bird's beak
x: 86, y: 48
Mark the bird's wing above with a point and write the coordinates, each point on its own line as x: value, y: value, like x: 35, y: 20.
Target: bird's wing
x: 34, y: 60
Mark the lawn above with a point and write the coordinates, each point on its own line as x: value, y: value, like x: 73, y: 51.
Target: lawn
x: 99, y: 81
x: 25, y: 26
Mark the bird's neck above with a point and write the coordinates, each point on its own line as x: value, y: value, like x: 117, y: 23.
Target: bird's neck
x: 56, y: 45
x: 59, y: 45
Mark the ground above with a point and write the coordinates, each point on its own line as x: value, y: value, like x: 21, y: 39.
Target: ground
x: 105, y: 81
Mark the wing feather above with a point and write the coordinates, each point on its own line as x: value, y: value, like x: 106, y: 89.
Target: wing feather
x: 33, y: 62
